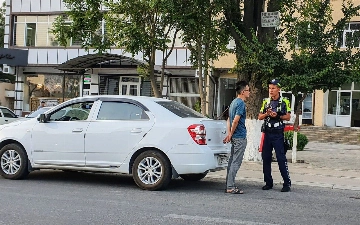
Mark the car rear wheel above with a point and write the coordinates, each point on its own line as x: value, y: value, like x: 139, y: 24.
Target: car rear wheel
x: 193, y: 177
x: 13, y: 162
x: 151, y: 171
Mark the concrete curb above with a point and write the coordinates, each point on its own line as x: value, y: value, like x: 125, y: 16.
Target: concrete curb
x: 302, y: 183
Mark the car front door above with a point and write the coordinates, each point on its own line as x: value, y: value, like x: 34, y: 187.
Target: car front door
x: 7, y: 116
x: 118, y: 128
x: 60, y: 140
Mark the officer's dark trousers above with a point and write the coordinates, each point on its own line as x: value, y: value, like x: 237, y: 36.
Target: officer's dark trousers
x: 274, y: 140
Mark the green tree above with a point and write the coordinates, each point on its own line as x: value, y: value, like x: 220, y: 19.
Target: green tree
x: 258, y: 57
x: 317, y: 61
x: 201, y: 25
x: 138, y: 26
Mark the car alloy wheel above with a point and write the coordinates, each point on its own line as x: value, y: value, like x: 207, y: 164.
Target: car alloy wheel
x: 13, y: 162
x: 10, y: 162
x: 149, y: 170
x: 152, y: 170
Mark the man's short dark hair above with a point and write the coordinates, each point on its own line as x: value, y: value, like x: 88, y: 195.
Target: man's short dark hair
x: 240, y: 86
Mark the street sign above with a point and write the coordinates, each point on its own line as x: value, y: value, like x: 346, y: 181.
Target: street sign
x: 270, y: 19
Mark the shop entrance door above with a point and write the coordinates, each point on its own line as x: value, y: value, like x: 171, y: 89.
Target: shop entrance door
x: 343, y: 109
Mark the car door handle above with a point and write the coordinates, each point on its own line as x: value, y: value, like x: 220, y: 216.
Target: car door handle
x: 6, y: 120
x: 77, y: 130
x: 136, y: 130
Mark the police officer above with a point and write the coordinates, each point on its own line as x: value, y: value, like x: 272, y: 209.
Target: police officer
x: 274, y: 111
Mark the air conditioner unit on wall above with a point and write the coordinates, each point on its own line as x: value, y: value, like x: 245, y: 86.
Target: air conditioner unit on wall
x: 8, y: 69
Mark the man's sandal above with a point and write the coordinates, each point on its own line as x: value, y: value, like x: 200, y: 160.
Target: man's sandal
x: 234, y: 191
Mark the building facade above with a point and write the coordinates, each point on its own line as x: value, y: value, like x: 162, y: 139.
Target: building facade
x: 336, y: 108
x: 49, y: 73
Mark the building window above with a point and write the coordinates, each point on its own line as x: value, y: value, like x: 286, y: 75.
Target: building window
x: 35, y: 31
x: 51, y: 87
x: 185, y: 90
x: 351, y: 29
x: 30, y: 34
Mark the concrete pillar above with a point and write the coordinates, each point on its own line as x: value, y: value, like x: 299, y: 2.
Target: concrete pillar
x: 19, y: 91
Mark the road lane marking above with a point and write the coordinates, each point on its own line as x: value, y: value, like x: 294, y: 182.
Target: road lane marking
x: 215, y: 220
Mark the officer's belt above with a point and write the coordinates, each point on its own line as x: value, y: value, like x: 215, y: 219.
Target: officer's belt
x: 274, y: 131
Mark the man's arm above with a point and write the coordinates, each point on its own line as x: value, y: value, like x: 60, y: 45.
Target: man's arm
x: 286, y: 117
x: 228, y: 125
x: 234, y: 125
x: 262, y: 116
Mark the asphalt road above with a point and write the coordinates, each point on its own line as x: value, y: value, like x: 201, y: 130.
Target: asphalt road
x: 55, y: 197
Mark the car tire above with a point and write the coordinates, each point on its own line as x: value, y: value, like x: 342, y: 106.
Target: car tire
x: 152, y: 171
x: 13, y: 162
x: 194, y: 176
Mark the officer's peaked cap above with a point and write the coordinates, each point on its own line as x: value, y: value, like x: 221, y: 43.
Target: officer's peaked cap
x: 275, y: 82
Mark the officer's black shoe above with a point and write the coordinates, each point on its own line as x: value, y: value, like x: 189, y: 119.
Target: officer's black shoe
x: 267, y: 187
x: 286, y: 189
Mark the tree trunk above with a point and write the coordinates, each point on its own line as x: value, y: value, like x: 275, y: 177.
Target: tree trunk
x: 202, y: 91
x: 152, y: 76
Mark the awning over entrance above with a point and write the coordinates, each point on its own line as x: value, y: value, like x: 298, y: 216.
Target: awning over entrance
x: 81, y: 63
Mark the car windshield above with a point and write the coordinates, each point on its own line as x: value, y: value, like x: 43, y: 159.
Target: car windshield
x: 37, y: 112
x: 180, y: 109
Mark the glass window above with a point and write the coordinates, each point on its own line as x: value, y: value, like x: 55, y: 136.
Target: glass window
x: 7, y: 113
x: 30, y: 34
x: 180, y: 109
x: 74, y: 112
x: 332, y: 101
x: 72, y: 86
x: 130, y: 79
x: 184, y: 85
x: 349, y: 34
x: 121, y: 111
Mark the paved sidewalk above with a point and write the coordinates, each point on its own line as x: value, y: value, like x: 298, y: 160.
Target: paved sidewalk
x: 330, y: 165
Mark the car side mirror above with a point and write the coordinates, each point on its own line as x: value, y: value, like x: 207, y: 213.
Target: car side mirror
x: 43, y: 118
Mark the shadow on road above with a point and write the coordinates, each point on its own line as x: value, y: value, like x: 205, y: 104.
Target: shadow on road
x: 119, y: 180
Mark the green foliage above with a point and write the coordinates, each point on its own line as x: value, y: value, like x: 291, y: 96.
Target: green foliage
x: 139, y: 26
x: 302, y: 140
x: 197, y: 106
x: 317, y: 60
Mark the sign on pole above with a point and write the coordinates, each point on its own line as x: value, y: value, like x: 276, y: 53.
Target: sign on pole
x: 270, y: 19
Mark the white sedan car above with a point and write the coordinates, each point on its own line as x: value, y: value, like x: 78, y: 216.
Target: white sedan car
x: 151, y: 138
x: 7, y: 116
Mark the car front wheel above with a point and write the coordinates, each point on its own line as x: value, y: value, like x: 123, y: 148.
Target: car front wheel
x: 193, y: 177
x: 151, y: 171
x: 13, y: 162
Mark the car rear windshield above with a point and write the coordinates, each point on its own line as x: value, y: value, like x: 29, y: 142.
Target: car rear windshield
x: 180, y: 109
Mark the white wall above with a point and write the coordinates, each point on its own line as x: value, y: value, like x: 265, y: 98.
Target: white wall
x: 179, y: 57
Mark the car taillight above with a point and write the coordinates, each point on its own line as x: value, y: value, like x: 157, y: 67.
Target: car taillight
x: 198, y: 133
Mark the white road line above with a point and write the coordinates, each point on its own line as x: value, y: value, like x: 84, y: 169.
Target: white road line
x: 214, y: 220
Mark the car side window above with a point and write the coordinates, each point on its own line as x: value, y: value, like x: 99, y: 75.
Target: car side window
x: 73, y: 112
x: 121, y: 111
x: 8, y: 114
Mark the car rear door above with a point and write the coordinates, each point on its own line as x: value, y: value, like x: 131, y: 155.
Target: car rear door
x: 118, y: 128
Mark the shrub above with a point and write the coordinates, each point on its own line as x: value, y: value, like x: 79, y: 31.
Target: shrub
x: 302, y: 140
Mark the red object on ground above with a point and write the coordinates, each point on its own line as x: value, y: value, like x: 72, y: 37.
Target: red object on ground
x: 261, y: 141
x: 287, y: 127
x: 290, y: 127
